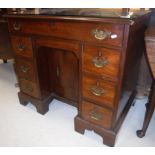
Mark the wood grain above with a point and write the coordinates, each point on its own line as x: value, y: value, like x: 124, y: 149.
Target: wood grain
x: 25, y: 42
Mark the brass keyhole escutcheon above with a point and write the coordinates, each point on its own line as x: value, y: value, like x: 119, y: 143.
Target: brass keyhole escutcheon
x: 24, y: 69
x: 21, y: 47
x: 99, y: 61
x: 97, y: 90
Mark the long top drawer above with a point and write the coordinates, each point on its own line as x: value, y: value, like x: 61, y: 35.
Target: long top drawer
x: 108, y: 33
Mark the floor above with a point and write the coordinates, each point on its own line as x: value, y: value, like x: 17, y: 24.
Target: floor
x: 23, y: 126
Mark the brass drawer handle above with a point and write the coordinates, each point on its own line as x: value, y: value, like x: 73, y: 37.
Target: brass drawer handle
x: 100, y: 62
x: 97, y: 90
x: 94, y: 115
x: 16, y: 26
x: 21, y: 47
x: 29, y: 88
x: 24, y: 69
x: 101, y: 34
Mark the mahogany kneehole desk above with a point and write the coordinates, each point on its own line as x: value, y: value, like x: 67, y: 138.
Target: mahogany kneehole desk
x: 90, y: 63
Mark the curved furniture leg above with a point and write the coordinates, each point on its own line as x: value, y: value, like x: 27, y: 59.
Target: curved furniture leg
x: 149, y: 112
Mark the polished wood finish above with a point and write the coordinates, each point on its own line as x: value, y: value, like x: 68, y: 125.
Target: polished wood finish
x: 29, y: 88
x: 60, y: 75
x: 96, y: 114
x: 65, y: 69
x: 90, y: 89
x: 91, y: 63
x: 145, y: 79
x: 150, y: 57
x: 25, y: 69
x: 5, y: 46
x: 42, y: 106
x: 22, y: 46
x: 150, y: 41
x: 68, y: 30
x: 110, y: 68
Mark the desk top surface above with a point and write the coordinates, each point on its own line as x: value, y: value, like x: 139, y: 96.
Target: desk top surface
x: 77, y: 14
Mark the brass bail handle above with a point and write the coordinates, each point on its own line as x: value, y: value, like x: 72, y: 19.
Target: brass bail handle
x: 21, y: 47
x: 101, y: 34
x: 29, y: 88
x: 16, y: 26
x: 99, y: 61
x: 95, y: 114
x: 97, y: 90
x: 24, y: 69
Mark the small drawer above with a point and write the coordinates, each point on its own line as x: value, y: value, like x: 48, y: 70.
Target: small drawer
x: 29, y: 88
x: 96, y: 114
x: 22, y: 46
x: 108, y: 33
x: 103, y: 62
x: 25, y: 69
x: 99, y: 91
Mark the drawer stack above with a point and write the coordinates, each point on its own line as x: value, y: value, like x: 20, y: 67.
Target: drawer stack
x: 22, y: 47
x: 99, y: 84
x: 106, y: 52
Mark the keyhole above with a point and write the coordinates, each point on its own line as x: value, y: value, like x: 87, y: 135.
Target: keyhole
x: 100, y: 53
x: 97, y: 83
x: 58, y: 71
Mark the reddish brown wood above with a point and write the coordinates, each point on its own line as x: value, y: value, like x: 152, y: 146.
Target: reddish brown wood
x: 65, y: 71
x: 22, y: 46
x: 96, y: 114
x: 29, y: 88
x: 150, y: 41
x: 106, y: 98
x: 62, y: 53
x: 150, y: 57
x: 108, y: 136
x: 25, y: 69
x: 42, y: 106
x: 69, y: 30
x: 62, y: 64
x: 145, y: 80
x: 5, y: 45
x: 110, y: 69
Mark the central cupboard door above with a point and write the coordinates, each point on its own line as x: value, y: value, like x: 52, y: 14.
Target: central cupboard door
x: 64, y: 73
x: 62, y: 63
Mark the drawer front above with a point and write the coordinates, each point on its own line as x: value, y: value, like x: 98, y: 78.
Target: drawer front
x: 99, y: 91
x: 22, y: 46
x: 107, y: 33
x: 101, y: 61
x: 29, y: 88
x: 96, y: 114
x: 25, y: 69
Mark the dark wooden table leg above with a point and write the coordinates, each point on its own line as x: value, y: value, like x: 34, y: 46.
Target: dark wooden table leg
x: 149, y: 112
x: 4, y: 61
